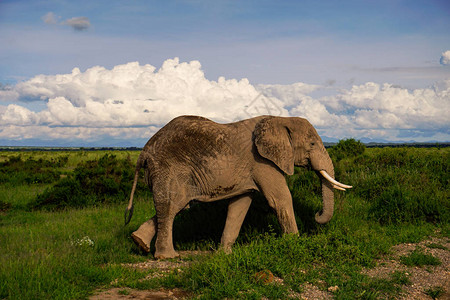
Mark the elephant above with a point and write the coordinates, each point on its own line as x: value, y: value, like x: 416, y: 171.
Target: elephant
x: 195, y: 159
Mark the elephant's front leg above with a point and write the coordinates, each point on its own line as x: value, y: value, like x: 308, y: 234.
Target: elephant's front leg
x: 144, y: 235
x: 237, y: 210
x: 274, y: 188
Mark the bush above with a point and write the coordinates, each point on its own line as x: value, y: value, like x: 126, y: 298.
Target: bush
x: 347, y: 148
x: 107, y: 180
x: 106, y: 177
x: 397, y: 204
x: 16, y: 171
x: 401, y: 185
x: 66, y: 193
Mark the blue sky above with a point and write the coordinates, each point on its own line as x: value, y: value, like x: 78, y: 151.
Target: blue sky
x: 335, y: 49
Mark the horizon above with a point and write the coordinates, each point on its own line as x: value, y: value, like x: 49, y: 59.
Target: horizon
x: 368, y: 144
x: 112, y: 73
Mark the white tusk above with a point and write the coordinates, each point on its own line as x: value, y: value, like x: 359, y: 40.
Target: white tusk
x: 337, y: 183
x: 339, y: 188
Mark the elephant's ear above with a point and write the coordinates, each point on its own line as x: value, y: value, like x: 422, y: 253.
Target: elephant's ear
x: 273, y: 141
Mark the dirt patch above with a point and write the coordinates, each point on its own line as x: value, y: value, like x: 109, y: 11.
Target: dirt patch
x: 160, y: 268
x: 125, y: 293
x: 421, y: 278
x: 312, y: 292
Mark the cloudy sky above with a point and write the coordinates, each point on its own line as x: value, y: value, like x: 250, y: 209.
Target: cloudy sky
x: 111, y: 73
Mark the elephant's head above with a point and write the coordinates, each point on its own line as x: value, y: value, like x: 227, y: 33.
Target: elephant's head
x: 294, y: 141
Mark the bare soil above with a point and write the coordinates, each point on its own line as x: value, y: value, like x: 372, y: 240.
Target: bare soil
x: 421, y: 278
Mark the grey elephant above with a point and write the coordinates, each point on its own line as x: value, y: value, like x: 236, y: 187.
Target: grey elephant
x: 193, y: 158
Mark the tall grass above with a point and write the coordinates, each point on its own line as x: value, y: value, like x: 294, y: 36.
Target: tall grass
x: 399, y: 195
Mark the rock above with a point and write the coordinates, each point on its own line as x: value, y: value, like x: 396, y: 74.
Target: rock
x: 264, y: 276
x: 333, y: 289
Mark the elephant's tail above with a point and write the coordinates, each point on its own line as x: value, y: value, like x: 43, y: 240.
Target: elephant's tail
x: 130, y: 207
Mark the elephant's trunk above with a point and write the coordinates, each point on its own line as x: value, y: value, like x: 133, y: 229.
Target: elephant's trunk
x: 328, y: 202
x: 321, y: 162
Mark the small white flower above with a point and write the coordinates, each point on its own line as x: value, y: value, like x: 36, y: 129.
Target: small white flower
x: 85, y: 241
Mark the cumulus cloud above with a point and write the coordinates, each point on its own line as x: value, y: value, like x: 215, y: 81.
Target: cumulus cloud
x: 133, y: 95
x: 132, y: 101
x: 77, y: 23
x: 289, y: 93
x: 50, y: 18
x: 445, y: 58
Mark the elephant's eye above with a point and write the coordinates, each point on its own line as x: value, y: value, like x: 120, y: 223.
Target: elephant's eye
x: 312, y: 144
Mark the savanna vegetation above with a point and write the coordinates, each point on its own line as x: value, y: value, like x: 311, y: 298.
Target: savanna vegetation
x: 62, y: 234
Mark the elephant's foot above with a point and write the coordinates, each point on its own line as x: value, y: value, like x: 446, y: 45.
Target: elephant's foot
x: 226, y: 249
x: 166, y: 254
x: 144, y: 235
x: 140, y: 243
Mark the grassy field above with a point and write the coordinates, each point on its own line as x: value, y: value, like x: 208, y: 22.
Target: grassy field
x: 62, y: 234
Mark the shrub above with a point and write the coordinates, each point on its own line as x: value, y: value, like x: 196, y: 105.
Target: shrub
x: 16, y: 171
x: 66, y: 193
x: 106, y: 177
x: 96, y: 181
x: 347, y: 148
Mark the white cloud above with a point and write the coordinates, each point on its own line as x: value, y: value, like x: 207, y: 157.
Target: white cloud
x: 133, y: 95
x: 289, y: 93
x: 50, y: 18
x: 79, y: 23
x: 81, y: 135
x: 445, y: 58
x: 387, y: 106
x: 16, y: 115
x: 131, y: 101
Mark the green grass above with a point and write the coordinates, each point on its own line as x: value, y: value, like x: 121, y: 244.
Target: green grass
x: 44, y: 255
x: 420, y: 258
x: 436, y: 246
x: 435, y: 292
x: 399, y: 195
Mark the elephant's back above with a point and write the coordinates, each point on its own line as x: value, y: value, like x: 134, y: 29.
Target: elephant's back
x: 189, y: 136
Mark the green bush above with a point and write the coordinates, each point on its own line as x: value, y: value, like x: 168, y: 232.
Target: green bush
x: 401, y: 185
x: 397, y: 204
x: 347, y: 148
x: 106, y: 177
x: 96, y: 181
x: 16, y: 171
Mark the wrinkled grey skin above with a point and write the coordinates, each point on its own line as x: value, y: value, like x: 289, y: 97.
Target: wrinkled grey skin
x: 193, y: 158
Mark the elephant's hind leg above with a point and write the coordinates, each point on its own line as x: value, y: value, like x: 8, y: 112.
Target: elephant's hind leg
x: 144, y: 235
x: 237, y: 210
x: 165, y: 212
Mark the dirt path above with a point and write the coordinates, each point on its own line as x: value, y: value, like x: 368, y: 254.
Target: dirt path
x: 421, y: 278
